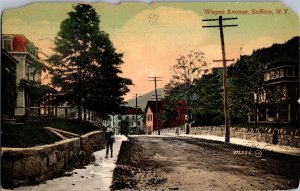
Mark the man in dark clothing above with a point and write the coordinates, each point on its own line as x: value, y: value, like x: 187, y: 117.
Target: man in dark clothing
x: 110, y: 139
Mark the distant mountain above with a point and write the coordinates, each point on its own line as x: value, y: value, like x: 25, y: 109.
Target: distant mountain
x: 142, y: 100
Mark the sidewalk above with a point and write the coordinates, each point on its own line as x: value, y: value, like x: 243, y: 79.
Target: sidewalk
x: 254, y: 144
x: 97, y: 176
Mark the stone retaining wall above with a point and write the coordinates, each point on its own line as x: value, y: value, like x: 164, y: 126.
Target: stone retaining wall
x: 21, y: 166
x: 288, y: 137
x: 280, y: 136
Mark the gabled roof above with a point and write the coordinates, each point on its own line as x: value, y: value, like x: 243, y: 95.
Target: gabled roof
x: 132, y: 111
x: 152, y: 105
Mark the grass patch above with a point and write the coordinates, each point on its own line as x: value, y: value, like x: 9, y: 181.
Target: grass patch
x: 33, y: 133
x: 27, y: 135
x: 73, y: 126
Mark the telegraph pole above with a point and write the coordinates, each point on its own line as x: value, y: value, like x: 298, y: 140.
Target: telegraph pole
x: 226, y: 106
x: 156, y: 79
x: 136, y: 120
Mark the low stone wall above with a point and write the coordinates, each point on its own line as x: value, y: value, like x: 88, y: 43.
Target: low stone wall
x: 21, y: 166
x: 280, y: 136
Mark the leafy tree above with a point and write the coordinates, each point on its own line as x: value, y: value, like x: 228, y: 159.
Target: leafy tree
x: 208, y: 104
x: 72, y: 46
x: 86, y: 65
x: 172, y: 96
x: 188, y: 68
x: 246, y: 78
x: 107, y: 98
x: 35, y: 90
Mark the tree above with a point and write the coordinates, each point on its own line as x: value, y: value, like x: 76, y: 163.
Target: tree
x: 208, y: 104
x: 188, y: 68
x: 172, y: 96
x: 35, y: 90
x: 246, y: 78
x: 86, y: 65
x: 72, y: 57
x: 105, y: 71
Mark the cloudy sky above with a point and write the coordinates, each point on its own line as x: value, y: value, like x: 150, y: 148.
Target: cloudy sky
x: 153, y: 35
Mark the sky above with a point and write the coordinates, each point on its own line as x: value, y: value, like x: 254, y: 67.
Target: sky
x: 152, y: 36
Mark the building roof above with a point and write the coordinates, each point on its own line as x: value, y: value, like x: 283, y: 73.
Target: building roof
x: 21, y: 45
x: 282, y: 64
x: 132, y: 111
x: 152, y: 105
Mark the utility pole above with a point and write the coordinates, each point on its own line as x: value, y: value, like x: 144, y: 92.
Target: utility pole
x: 156, y: 79
x: 136, y: 119
x: 226, y: 106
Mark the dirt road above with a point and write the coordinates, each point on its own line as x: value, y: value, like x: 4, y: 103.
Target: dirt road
x: 177, y: 163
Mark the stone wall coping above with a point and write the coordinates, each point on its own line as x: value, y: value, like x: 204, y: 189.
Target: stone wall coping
x: 47, y: 146
x: 39, y: 147
x: 91, y: 133
x: 62, y: 131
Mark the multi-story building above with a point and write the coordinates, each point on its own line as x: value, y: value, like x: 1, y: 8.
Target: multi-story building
x: 134, y: 116
x: 153, y: 120
x: 29, y: 67
x: 277, y: 101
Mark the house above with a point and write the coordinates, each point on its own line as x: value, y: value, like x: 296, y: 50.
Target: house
x: 8, y: 84
x: 152, y: 113
x: 29, y: 67
x: 277, y: 101
x: 182, y: 112
x: 134, y: 116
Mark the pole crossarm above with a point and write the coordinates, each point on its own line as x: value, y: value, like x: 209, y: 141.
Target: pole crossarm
x: 219, y: 26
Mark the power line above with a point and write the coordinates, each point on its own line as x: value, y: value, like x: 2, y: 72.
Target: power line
x: 226, y: 105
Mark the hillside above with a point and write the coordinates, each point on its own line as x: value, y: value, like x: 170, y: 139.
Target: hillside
x: 142, y: 100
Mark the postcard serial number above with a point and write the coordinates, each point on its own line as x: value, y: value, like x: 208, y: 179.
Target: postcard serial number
x: 237, y: 152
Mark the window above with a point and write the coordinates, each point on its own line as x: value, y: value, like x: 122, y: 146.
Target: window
x: 119, y: 117
x: 133, y: 117
x: 139, y: 123
x: 272, y: 75
x: 27, y: 71
x: 127, y: 118
x: 282, y: 73
x: 267, y: 76
x: 7, y: 44
x: 276, y: 74
x: 149, y: 117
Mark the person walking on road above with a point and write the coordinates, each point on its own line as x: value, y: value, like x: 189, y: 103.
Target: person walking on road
x: 110, y: 139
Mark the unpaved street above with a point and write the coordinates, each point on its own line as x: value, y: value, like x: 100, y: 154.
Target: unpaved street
x: 170, y: 163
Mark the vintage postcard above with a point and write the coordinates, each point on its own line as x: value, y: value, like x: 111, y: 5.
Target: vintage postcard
x: 150, y: 96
